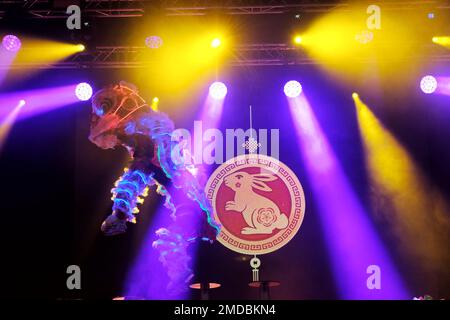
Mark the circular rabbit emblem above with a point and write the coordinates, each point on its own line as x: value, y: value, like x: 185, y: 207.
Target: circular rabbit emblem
x: 258, y: 201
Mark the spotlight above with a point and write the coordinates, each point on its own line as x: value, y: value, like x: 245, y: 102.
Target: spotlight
x: 218, y: 90
x: 215, y: 43
x: 22, y: 103
x: 297, y: 39
x: 153, y: 42
x: 155, y: 102
x: 292, y: 89
x: 83, y: 91
x: 431, y: 15
x: 81, y: 47
x: 428, y: 84
x: 11, y: 43
x: 355, y: 95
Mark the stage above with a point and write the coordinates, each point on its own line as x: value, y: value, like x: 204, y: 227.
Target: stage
x: 225, y: 150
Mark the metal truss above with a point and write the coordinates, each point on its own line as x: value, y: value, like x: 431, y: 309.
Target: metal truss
x: 44, y: 9
x: 104, y: 9
x: 138, y: 57
x: 246, y: 7
x: 120, y: 57
x: 268, y: 55
x: 241, y: 7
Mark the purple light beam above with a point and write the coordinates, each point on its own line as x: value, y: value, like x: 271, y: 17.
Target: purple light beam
x: 7, y: 122
x: 352, y: 242
x: 39, y: 101
x: 443, y: 86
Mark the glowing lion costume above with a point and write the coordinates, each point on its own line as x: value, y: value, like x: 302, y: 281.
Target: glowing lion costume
x: 120, y: 117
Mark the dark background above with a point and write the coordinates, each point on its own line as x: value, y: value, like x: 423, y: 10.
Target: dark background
x: 55, y: 184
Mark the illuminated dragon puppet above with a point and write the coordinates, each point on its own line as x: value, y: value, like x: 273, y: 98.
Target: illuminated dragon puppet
x: 120, y: 117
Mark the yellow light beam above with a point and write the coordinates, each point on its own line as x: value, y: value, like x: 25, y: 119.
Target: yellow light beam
x: 340, y: 41
x: 155, y: 102
x: 414, y: 210
x: 45, y: 51
x: 188, y: 57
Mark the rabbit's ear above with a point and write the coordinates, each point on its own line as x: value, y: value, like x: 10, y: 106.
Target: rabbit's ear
x: 263, y: 177
x: 261, y: 186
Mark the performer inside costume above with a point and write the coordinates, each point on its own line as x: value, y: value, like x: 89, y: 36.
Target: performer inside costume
x: 120, y: 117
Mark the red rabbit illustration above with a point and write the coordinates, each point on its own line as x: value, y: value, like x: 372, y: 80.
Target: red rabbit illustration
x: 261, y: 214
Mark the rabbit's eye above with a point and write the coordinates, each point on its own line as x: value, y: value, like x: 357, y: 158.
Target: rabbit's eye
x: 239, y: 176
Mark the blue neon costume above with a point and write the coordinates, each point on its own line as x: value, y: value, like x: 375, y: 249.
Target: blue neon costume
x: 121, y: 117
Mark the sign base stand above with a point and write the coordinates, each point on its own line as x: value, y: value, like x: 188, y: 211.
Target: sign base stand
x: 264, y: 288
